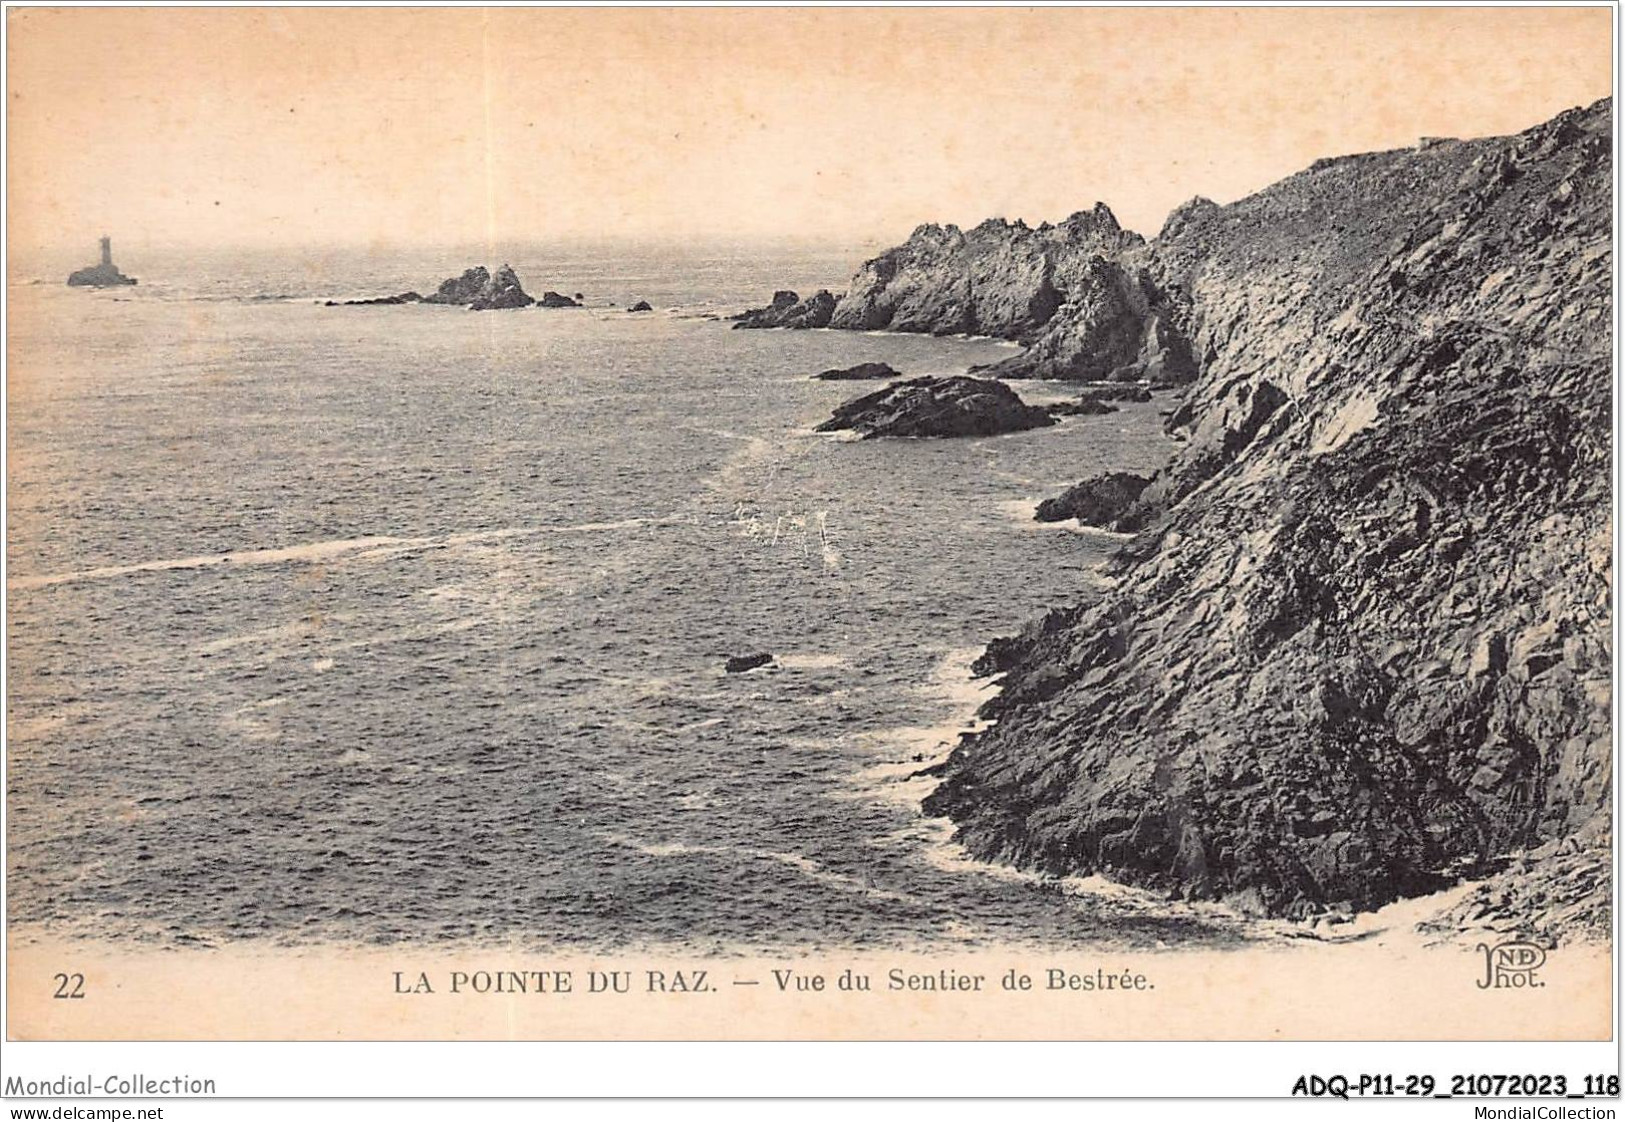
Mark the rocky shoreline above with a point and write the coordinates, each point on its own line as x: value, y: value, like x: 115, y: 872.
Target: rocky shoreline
x: 1360, y: 646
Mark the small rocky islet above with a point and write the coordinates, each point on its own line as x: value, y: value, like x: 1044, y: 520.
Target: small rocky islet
x: 862, y: 372
x: 938, y: 407
x: 477, y: 289
x: 1359, y: 647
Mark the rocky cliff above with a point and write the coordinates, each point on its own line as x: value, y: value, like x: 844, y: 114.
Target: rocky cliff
x: 1361, y: 643
x: 1080, y: 295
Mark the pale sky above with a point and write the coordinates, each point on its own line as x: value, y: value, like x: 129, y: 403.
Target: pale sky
x: 308, y: 126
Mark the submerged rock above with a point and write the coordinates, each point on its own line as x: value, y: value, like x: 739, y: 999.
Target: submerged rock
x: 103, y: 274
x: 789, y: 310
x: 738, y: 664
x: 1097, y: 501
x: 930, y: 406
x: 863, y: 371
x: 402, y: 298
x: 1083, y: 407
x: 1115, y: 391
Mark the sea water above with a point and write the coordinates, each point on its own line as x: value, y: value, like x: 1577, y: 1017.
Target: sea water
x: 407, y: 624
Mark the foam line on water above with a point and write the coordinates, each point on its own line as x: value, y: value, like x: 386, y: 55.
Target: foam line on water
x: 808, y: 868
x: 377, y: 546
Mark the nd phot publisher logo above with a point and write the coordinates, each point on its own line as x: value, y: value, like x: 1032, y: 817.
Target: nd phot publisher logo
x: 1511, y: 965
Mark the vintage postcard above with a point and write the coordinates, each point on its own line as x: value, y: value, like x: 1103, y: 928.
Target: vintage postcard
x: 814, y: 524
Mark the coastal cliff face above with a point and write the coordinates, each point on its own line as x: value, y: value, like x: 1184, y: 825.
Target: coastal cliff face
x: 1361, y: 642
x: 1079, y: 294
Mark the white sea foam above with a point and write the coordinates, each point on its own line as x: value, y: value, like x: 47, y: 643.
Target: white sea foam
x: 368, y: 547
x: 807, y: 867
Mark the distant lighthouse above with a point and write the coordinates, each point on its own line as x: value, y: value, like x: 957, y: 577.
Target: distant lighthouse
x: 102, y: 275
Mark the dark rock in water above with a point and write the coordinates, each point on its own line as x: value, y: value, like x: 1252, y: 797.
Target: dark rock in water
x: 557, y: 300
x: 1116, y: 391
x: 503, y: 291
x: 1365, y: 639
x: 863, y: 371
x: 787, y: 310
x: 461, y: 290
x: 930, y: 406
x: 482, y: 291
x: 641, y: 306
x: 103, y: 274
x: 579, y: 298
x: 738, y: 664
x: 402, y: 298
x: 1083, y: 407
x: 1095, y: 502
x: 98, y: 276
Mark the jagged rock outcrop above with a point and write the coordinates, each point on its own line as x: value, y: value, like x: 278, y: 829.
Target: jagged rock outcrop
x: 931, y: 406
x: 789, y: 310
x: 863, y: 371
x: 476, y: 288
x: 1079, y: 294
x: 1363, y: 642
x: 461, y: 290
x: 1097, y: 501
x: 503, y: 290
x: 103, y: 274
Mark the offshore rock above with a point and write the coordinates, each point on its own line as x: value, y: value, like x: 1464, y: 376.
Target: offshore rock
x: 461, y: 290
x: 641, y: 306
x: 1363, y: 641
x: 402, y: 298
x: 476, y: 288
x: 863, y: 371
x: 739, y: 664
x: 789, y: 310
x: 504, y: 291
x: 1083, y: 407
x: 1108, y: 391
x: 958, y: 406
x: 551, y: 299
x: 1094, y: 502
